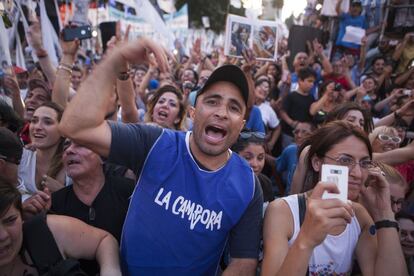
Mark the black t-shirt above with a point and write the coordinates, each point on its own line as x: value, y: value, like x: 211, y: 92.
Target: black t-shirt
x: 297, y: 107
x: 244, y: 237
x: 107, y: 211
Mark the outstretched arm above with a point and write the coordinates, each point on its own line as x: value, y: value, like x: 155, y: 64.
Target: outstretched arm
x: 34, y: 37
x: 84, y: 118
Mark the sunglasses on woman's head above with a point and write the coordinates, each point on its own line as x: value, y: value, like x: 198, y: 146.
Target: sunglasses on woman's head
x: 248, y: 135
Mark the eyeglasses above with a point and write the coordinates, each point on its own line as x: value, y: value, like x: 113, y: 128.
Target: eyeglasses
x: 387, y: 138
x: 11, y: 160
x: 350, y: 162
x: 399, y: 201
x: 248, y: 135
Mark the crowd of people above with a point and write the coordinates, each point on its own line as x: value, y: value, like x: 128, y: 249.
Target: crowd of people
x: 151, y: 162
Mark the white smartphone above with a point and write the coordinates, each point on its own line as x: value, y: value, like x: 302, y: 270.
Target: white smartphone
x: 339, y: 176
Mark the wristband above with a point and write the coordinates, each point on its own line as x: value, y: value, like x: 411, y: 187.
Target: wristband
x: 123, y: 76
x: 65, y: 67
x: 383, y: 224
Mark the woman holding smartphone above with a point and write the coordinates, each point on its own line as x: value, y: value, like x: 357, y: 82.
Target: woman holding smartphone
x: 333, y: 231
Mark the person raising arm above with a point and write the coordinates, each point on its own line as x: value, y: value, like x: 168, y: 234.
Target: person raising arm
x: 85, y: 122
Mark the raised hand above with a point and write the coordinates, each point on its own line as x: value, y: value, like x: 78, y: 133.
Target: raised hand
x: 34, y: 36
x: 323, y: 215
x: 375, y: 196
x: 140, y: 50
x: 249, y: 59
x: 69, y: 48
x: 317, y: 47
x: 11, y: 85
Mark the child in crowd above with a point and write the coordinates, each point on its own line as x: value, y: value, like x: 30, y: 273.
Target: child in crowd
x: 296, y: 105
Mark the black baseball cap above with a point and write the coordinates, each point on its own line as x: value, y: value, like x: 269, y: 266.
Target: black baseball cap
x: 229, y: 73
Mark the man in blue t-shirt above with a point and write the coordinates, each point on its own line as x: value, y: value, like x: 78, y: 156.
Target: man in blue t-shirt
x: 193, y: 195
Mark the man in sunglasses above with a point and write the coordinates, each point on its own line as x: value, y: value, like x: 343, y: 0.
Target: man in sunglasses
x: 193, y: 195
x: 11, y: 150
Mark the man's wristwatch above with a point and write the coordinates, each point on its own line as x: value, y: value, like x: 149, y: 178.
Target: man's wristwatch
x: 383, y: 224
x: 123, y: 76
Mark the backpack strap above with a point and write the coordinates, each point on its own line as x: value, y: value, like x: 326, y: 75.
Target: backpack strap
x: 302, y: 208
x: 40, y: 243
x: 302, y: 212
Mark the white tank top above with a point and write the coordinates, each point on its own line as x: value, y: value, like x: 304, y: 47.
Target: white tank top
x: 27, y: 175
x: 334, y: 256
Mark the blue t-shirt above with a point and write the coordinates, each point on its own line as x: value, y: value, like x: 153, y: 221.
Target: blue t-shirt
x: 286, y: 164
x: 181, y: 216
x: 255, y: 122
x: 347, y: 20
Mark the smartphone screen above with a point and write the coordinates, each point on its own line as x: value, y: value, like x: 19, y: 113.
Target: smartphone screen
x: 339, y: 176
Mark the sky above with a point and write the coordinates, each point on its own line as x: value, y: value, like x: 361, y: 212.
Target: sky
x: 297, y: 6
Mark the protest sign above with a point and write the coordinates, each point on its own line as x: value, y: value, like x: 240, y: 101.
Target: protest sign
x: 258, y: 35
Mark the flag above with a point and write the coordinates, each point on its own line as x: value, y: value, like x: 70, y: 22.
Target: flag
x: 20, y: 62
x: 150, y: 14
x: 5, y: 58
x: 26, y: 27
x: 49, y: 36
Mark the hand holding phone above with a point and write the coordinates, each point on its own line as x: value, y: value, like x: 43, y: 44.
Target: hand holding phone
x: 81, y: 32
x: 339, y: 176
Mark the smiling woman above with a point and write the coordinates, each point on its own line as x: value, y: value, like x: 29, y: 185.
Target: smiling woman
x: 43, y: 168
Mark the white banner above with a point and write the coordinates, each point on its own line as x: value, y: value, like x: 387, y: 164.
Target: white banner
x: 5, y: 59
x: 19, y: 53
x: 49, y: 36
x: 148, y: 12
x: 26, y: 27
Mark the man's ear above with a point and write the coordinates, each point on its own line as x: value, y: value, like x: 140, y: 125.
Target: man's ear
x: 191, y: 111
x: 242, y: 125
x: 316, y: 163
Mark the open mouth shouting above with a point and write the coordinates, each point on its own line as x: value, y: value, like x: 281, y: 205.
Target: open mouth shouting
x: 162, y: 115
x: 30, y: 110
x: 72, y: 162
x: 215, y: 134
